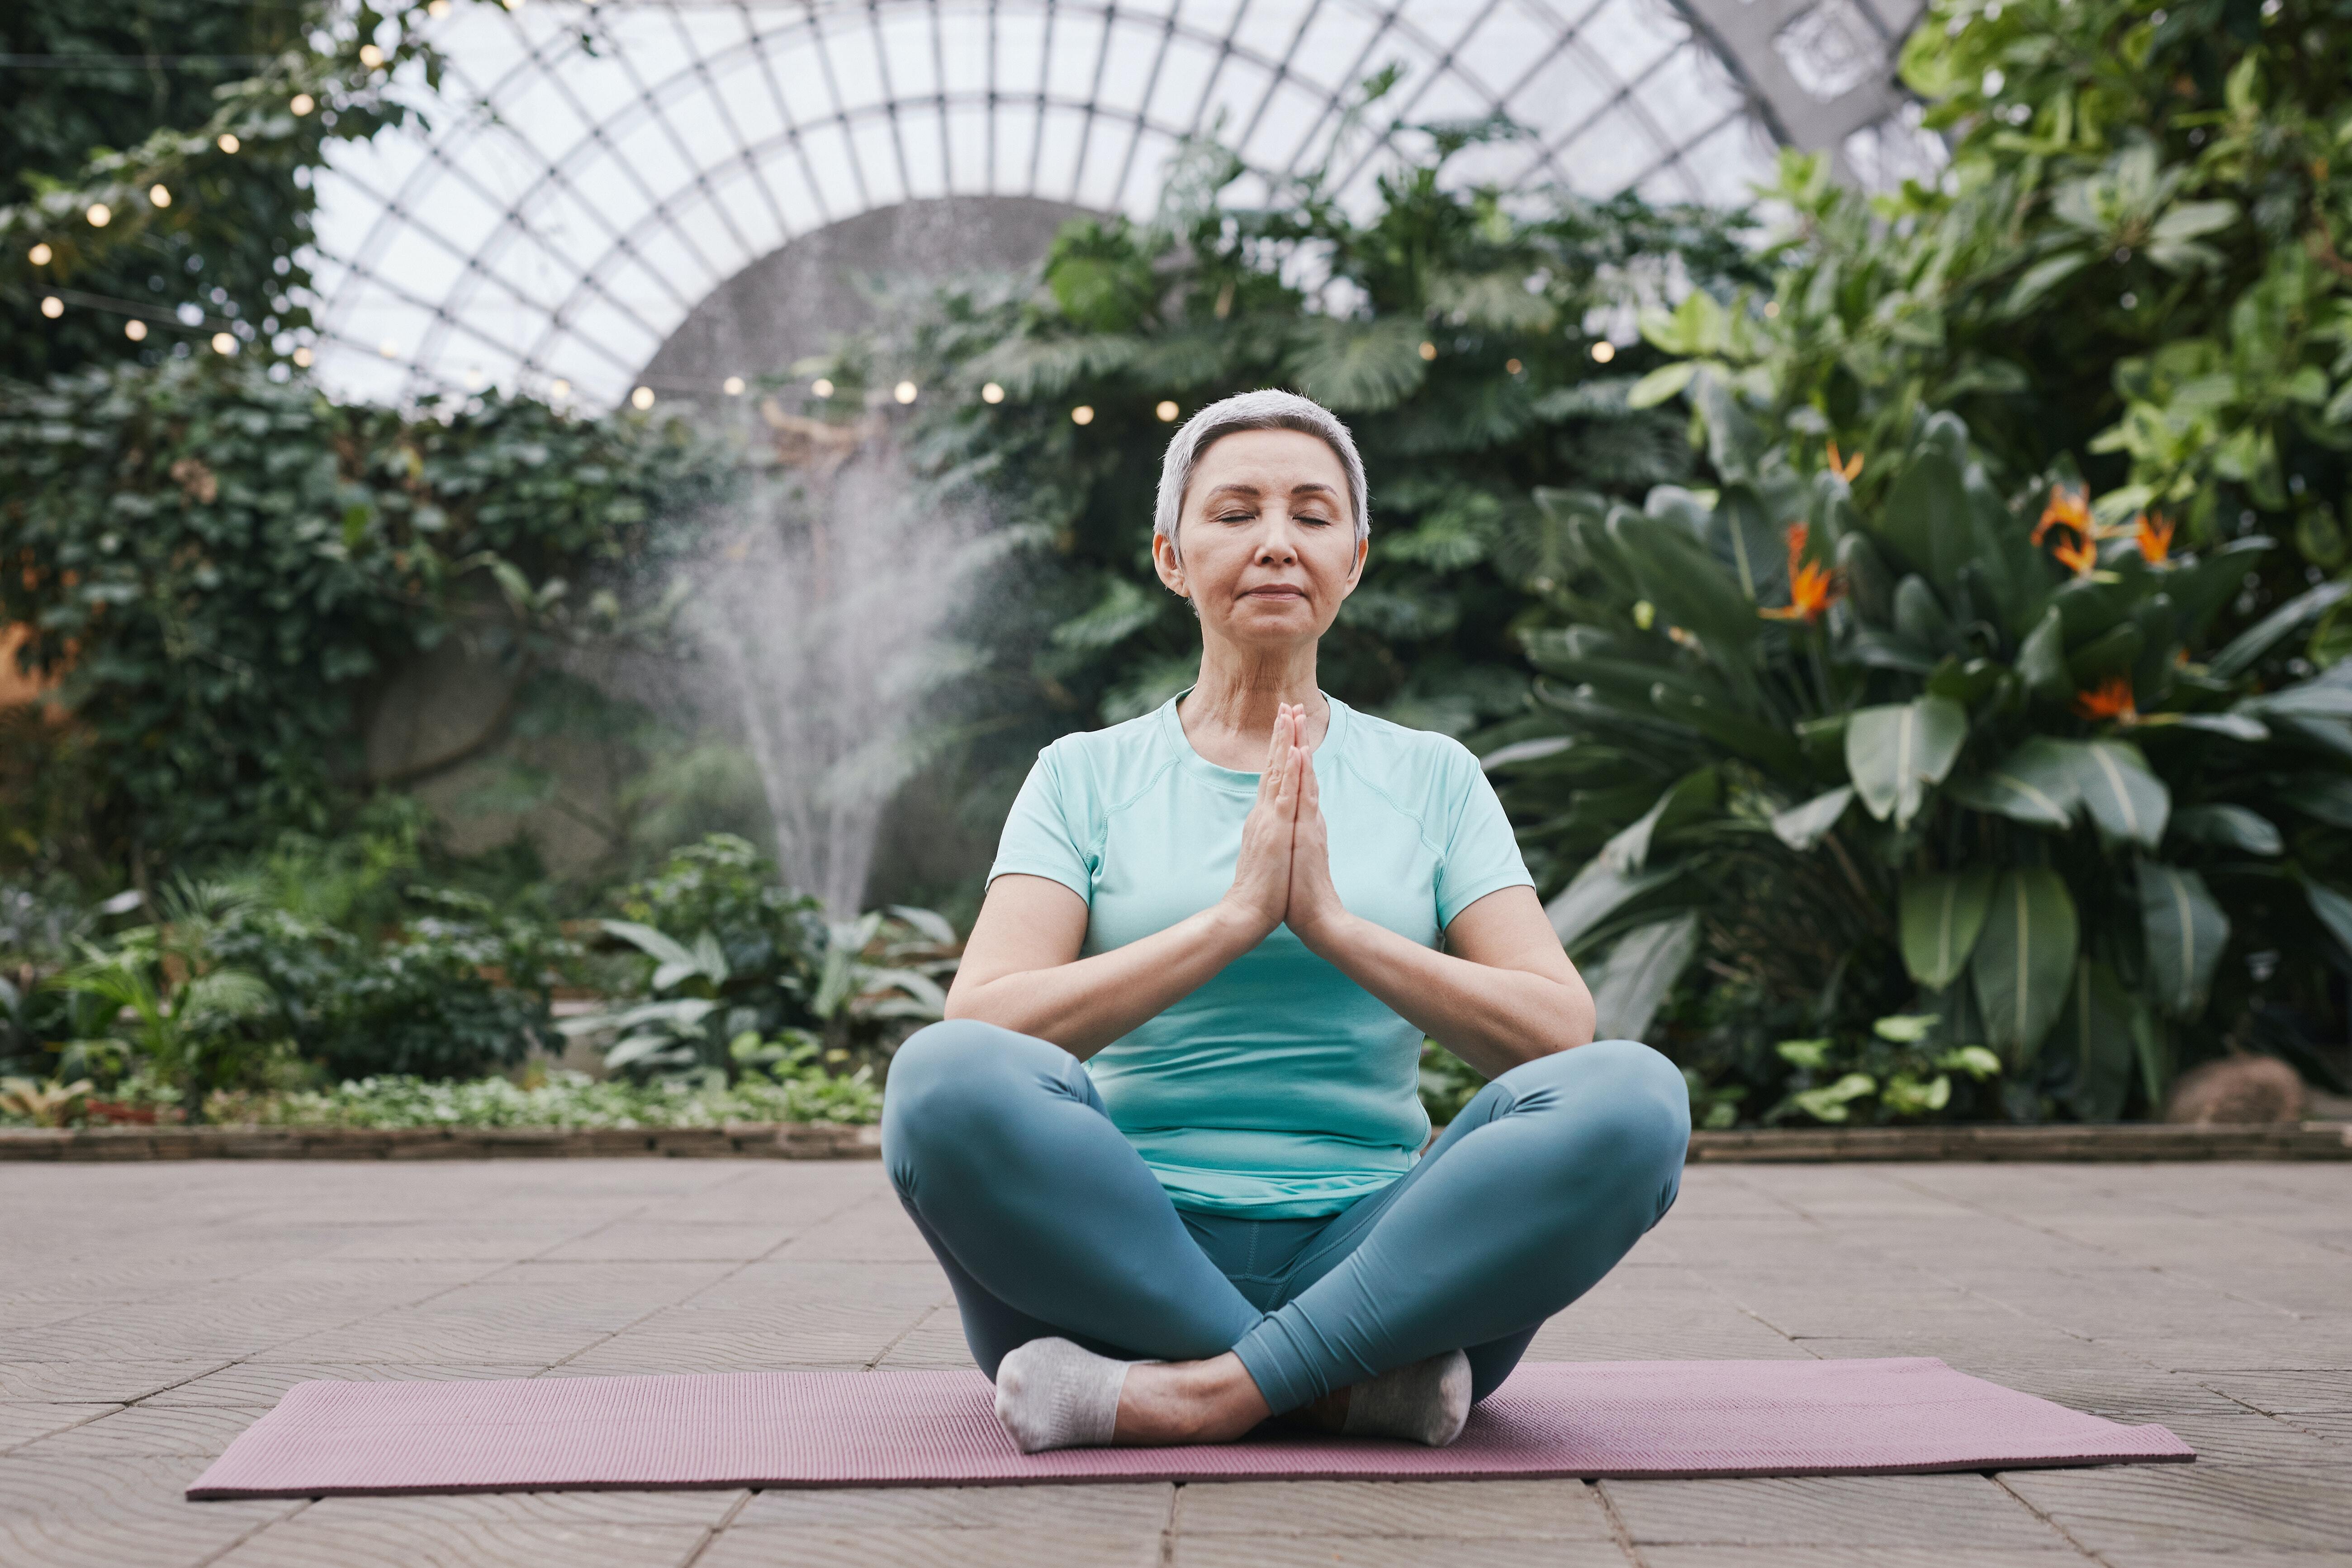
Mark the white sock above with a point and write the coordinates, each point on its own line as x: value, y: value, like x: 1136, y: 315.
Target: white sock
x: 1426, y: 1403
x: 1051, y: 1394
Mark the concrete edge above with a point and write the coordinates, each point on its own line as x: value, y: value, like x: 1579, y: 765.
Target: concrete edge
x: 823, y: 1141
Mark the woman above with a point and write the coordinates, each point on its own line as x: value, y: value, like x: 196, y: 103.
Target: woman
x: 1166, y: 1144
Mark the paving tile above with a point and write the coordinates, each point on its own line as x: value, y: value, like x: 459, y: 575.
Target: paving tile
x: 634, y: 1242
x: 302, y: 1543
x: 261, y: 1384
x: 1868, y: 1557
x: 1820, y: 1510
x: 144, y: 1430
x: 2282, y: 1392
x: 97, y: 1381
x: 1465, y: 1510
x: 1387, y: 1551
x: 23, y: 1422
x: 740, y: 1546
x: 2197, y: 1508
x: 1110, y: 1508
x: 708, y: 1509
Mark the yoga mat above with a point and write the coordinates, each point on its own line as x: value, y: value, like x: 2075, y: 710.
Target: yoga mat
x: 939, y: 1428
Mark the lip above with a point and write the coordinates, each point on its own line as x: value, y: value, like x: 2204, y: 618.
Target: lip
x: 1275, y: 591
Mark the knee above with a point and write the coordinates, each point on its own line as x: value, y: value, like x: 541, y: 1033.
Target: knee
x: 954, y: 1086
x: 1625, y: 1097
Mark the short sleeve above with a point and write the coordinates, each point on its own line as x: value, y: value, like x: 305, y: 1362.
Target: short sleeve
x: 1047, y: 833
x: 1482, y: 854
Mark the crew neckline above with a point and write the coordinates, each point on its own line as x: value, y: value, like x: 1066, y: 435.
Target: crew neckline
x: 1229, y: 779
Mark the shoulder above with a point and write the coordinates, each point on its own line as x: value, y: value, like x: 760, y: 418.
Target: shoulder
x: 1103, y: 767
x: 1424, y: 773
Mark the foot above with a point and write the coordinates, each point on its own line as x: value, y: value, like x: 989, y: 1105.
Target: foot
x: 1427, y: 1402
x: 1051, y: 1394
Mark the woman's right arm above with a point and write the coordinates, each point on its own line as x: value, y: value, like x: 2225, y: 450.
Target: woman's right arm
x: 1021, y: 970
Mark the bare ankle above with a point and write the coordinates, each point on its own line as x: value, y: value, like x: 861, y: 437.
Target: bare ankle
x: 1212, y: 1401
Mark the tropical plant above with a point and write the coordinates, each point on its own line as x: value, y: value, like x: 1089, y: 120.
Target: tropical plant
x: 1941, y: 755
x: 52, y: 1104
x: 2135, y: 261
x: 797, y: 1090
x: 1895, y: 1072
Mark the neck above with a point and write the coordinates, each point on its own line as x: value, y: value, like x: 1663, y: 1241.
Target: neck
x: 1240, y: 691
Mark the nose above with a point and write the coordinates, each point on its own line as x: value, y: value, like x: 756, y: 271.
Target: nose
x: 1276, y: 548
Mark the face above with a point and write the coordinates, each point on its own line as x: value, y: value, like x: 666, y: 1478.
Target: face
x: 1269, y: 546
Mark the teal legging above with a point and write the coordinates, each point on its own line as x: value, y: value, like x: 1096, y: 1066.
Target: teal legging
x: 1048, y: 1222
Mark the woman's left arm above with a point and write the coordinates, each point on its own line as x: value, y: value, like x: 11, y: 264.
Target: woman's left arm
x: 1504, y: 992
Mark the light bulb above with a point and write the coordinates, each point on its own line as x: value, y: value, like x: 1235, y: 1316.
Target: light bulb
x: 1603, y: 351
x: 302, y: 357
x: 1082, y: 414
x: 732, y: 386
x: 160, y: 194
x: 991, y: 393
x: 52, y: 307
x: 99, y: 214
x: 40, y: 254
x: 135, y: 330
x: 1429, y: 350
x: 904, y: 391
x: 228, y: 141
x: 558, y: 388
x: 642, y: 399
x: 370, y: 55
x: 223, y: 343
x: 1166, y: 411
x: 302, y: 104
x: 822, y: 387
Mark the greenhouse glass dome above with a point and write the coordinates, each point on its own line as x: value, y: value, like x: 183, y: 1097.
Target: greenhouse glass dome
x: 595, y: 181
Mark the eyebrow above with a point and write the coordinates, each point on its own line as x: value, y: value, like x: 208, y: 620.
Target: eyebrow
x: 1242, y: 488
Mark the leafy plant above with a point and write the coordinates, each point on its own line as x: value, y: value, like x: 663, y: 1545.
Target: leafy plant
x: 1892, y: 1073
x: 798, y: 1090
x: 1939, y: 754
x: 52, y: 1104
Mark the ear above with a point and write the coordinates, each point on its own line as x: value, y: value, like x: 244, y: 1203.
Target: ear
x: 1356, y: 570
x: 1164, y: 562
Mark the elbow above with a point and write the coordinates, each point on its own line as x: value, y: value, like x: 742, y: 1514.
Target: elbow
x: 1580, y: 1020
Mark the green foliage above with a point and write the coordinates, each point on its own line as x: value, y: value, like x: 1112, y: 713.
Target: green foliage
x: 1895, y: 1072
x: 799, y: 1090
x: 2135, y: 264
x: 1448, y: 328
x: 139, y: 93
x: 1447, y: 1083
x: 2002, y: 770
x: 223, y: 569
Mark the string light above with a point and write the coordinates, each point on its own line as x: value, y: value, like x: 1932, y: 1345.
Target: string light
x: 99, y: 214
x: 302, y: 357
x: 991, y: 393
x: 904, y: 391
x: 642, y: 399
x: 228, y: 141
x: 1513, y: 366
x: 1771, y: 309
x: 160, y: 194
x: 438, y: 8
x: 40, y: 254
x: 52, y: 307
x: 1166, y: 411
x: 559, y: 389
x: 303, y: 103
x: 370, y: 55
x: 388, y: 349
x: 1603, y: 351
x: 732, y: 386
x: 223, y: 343
x: 822, y: 387
x: 135, y: 330
x: 1429, y: 350
x: 1083, y: 414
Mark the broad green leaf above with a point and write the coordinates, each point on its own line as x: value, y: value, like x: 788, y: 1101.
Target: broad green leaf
x: 1358, y: 366
x: 653, y: 943
x: 1519, y: 751
x: 1941, y: 915
x: 1641, y: 969
x: 1597, y: 893
x: 2233, y: 726
x: 1660, y: 385
x: 2334, y: 909
x: 2034, y: 784
x: 931, y: 922
x: 2325, y: 797
x: 2094, y: 1043
x: 2273, y: 629
x: 2127, y: 800
x: 1895, y: 750
x: 1926, y: 516
x: 1628, y: 851
x: 1830, y: 1103
x: 2023, y: 959
x: 1750, y: 739
x: 2042, y: 277
x: 2228, y: 827
x: 2183, y: 931
x: 2042, y: 659
x: 1802, y: 826
x: 1688, y: 585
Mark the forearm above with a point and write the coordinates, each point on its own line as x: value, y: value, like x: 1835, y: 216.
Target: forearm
x: 1491, y: 1017
x: 1083, y: 1006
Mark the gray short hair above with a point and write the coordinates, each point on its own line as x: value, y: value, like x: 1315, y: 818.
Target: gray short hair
x: 1266, y: 410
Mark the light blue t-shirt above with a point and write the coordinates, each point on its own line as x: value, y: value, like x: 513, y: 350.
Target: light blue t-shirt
x: 1280, y: 1088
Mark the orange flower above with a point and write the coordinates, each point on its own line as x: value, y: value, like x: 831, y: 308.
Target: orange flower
x: 1845, y: 467
x: 1812, y: 588
x: 2111, y: 698
x: 2067, y: 509
x: 2155, y: 536
x: 2080, y: 556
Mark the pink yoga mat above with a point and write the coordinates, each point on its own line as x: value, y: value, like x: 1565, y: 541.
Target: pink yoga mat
x: 939, y: 1428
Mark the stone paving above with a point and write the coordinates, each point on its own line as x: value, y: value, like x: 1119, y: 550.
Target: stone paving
x: 149, y: 1312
